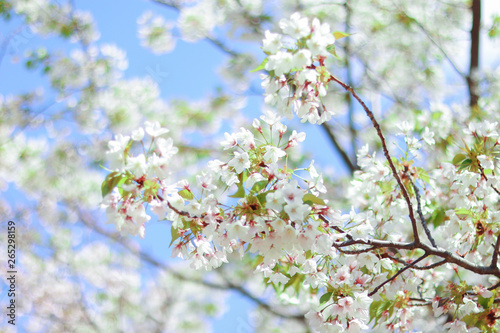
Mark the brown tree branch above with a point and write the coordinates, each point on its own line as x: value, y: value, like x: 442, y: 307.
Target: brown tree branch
x: 419, y: 212
x: 494, y: 259
x: 422, y: 268
x: 486, y: 178
x: 338, y: 229
x: 495, y: 286
x: 369, y: 113
x: 354, y: 251
x: 392, y: 278
x: 449, y: 257
x: 352, y: 167
x: 474, y: 53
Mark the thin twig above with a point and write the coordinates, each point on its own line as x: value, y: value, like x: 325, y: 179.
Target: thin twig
x: 437, y: 264
x: 449, y: 257
x: 422, y: 268
x: 419, y: 212
x: 339, y: 149
x: 495, y: 286
x: 386, y: 153
x: 355, y: 251
x: 486, y: 178
x: 5, y: 44
x: 440, y: 48
x: 374, y: 291
x: 420, y: 304
x: 336, y: 228
x: 214, y: 41
x: 494, y: 259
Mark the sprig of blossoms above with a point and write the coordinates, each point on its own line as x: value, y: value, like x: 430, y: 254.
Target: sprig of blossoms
x: 155, y: 33
x: 135, y: 179
x: 297, y: 78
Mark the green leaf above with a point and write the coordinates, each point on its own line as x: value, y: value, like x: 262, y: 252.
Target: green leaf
x: 374, y: 311
x: 486, y: 303
x: 436, y: 115
x: 262, y: 198
x: 261, y: 66
x: 111, y: 182
x: 423, y: 174
x: 325, y: 298
x: 378, y: 307
x: 437, y: 217
x: 332, y: 51
x: 458, y: 159
x: 240, y: 193
x: 291, y: 281
x: 186, y: 194
x: 463, y: 211
x: 243, y: 176
x: 259, y: 185
x: 175, y: 234
x: 465, y: 164
x: 339, y: 34
x: 312, y: 199
x: 127, y: 149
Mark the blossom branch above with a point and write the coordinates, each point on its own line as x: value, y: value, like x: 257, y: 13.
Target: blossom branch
x: 431, y: 266
x: 88, y: 221
x: 338, y: 229
x: 354, y: 251
x: 386, y: 153
x: 494, y: 259
x: 392, y: 278
x: 486, y: 178
x: 216, y: 42
x: 495, y: 286
x: 352, y: 167
x: 444, y: 254
x: 419, y: 212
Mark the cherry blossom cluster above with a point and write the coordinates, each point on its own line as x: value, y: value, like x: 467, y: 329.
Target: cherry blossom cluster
x: 460, y: 205
x: 275, y: 214
x: 297, y: 78
x: 155, y: 33
x: 135, y: 179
